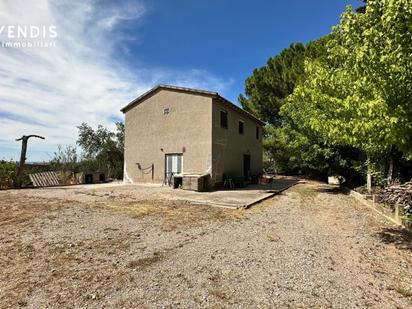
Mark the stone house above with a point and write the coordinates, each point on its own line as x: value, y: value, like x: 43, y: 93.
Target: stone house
x: 174, y: 130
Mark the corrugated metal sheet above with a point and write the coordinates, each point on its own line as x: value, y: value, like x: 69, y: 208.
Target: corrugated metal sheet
x: 44, y: 179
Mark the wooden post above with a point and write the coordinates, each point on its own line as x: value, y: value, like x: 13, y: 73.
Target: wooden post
x: 24, y: 139
x: 152, y: 171
x: 369, y: 176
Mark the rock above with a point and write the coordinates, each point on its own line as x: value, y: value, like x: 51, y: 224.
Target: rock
x: 336, y: 180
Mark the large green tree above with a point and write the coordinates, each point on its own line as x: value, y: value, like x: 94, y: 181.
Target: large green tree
x: 268, y: 87
x: 360, y: 94
x: 288, y: 148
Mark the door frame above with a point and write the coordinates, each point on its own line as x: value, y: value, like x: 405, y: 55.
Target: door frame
x: 165, y: 160
x: 245, y: 175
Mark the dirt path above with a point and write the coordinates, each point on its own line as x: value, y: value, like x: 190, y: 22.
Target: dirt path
x: 307, y: 247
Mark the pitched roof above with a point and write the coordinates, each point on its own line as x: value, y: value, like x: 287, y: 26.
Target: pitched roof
x: 211, y: 94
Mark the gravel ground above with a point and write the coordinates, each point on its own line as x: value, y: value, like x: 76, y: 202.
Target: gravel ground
x: 309, y: 246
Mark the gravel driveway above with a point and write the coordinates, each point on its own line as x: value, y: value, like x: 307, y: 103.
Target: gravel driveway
x: 309, y: 246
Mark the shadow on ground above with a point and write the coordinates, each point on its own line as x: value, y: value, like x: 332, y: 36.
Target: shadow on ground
x: 276, y: 186
x: 332, y: 190
x: 401, y: 238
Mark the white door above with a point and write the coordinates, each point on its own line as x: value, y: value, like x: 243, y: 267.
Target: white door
x: 173, y: 165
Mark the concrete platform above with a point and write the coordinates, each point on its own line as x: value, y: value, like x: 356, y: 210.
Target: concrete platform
x: 234, y: 198
x: 237, y: 198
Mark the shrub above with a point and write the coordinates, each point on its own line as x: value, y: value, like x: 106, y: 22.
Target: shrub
x: 7, y: 173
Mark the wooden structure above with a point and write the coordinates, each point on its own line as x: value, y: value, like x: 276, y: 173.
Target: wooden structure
x: 24, y: 139
x: 44, y: 179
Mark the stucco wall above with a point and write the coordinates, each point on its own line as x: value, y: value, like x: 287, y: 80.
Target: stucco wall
x: 229, y: 146
x: 148, y: 130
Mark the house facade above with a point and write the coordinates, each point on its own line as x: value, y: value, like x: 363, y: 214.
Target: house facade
x: 171, y: 130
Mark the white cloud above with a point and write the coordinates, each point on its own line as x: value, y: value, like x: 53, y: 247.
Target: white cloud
x: 49, y: 91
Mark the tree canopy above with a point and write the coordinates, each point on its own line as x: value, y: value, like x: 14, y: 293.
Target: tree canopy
x: 266, y: 91
x: 102, y: 148
x: 360, y: 96
x: 350, y: 90
x: 269, y: 86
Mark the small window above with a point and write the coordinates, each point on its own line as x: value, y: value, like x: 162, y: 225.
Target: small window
x: 223, y: 119
x: 166, y: 111
x: 241, y: 127
x: 257, y: 132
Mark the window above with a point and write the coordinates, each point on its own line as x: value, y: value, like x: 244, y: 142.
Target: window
x: 257, y: 132
x: 223, y: 119
x: 166, y: 111
x: 241, y: 127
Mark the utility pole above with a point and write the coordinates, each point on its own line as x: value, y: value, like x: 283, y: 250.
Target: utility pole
x: 24, y: 139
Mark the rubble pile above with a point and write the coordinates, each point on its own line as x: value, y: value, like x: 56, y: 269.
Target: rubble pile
x: 397, y: 195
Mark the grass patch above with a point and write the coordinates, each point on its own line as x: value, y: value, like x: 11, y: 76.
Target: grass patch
x: 176, y: 214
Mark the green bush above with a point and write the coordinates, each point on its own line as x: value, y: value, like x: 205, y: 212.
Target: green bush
x: 7, y: 173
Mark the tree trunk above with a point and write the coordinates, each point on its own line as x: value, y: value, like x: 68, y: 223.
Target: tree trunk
x: 369, y: 176
x: 22, y: 161
x: 390, y: 171
x: 24, y: 139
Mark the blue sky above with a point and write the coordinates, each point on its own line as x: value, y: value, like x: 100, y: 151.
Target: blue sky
x: 229, y: 38
x: 108, y: 52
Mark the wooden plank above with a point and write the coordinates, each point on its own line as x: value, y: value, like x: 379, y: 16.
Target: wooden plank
x: 48, y: 178
x: 44, y: 179
x: 32, y: 179
x: 55, y: 178
x: 52, y: 180
x: 41, y: 181
x: 36, y: 181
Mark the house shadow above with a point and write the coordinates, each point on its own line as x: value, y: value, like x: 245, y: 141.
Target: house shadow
x: 332, y: 190
x: 400, y: 238
x: 273, y: 187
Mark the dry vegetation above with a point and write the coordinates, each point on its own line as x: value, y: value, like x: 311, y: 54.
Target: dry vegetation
x: 49, y: 242
x: 308, y: 246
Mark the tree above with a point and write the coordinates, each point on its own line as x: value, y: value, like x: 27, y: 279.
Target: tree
x: 103, y: 149
x: 269, y: 86
x: 65, y: 159
x: 359, y: 96
x: 24, y: 140
x: 120, y: 136
x: 92, y: 141
x: 287, y: 148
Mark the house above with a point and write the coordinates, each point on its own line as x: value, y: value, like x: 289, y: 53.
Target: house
x: 174, y: 130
